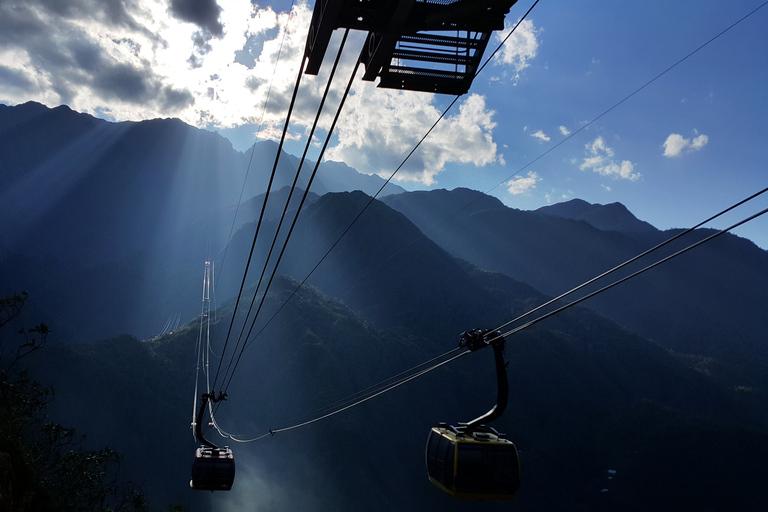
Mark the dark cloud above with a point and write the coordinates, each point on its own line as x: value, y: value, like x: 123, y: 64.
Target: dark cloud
x: 86, y: 54
x: 23, y: 21
x: 203, y: 13
x: 79, y: 67
x: 71, y: 60
x: 110, y: 11
x: 201, y: 41
x: 22, y: 27
x: 24, y: 24
x: 18, y: 23
x: 194, y: 61
x: 173, y: 100
x: 137, y: 86
x: 254, y: 82
x: 123, y: 82
x: 13, y: 78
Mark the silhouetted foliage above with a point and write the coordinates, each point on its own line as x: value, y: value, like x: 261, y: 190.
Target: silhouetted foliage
x: 43, y: 465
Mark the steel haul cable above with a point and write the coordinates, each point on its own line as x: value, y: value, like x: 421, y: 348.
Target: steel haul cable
x: 253, y: 148
x: 605, y: 288
x: 306, y: 192
x: 633, y: 259
x: 558, y: 144
x: 388, y: 388
x: 543, y: 154
x: 410, y: 377
x: 285, y: 210
x: 614, y: 106
x: 641, y: 271
x: 261, y: 215
x: 386, y: 182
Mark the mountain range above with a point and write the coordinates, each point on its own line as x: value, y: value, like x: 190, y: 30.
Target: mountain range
x: 706, y: 302
x: 650, y: 395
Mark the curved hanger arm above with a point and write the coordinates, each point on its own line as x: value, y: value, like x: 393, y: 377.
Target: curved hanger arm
x: 478, y: 339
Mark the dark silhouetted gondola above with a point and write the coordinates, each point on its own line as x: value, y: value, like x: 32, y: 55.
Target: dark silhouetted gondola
x: 214, y: 467
x: 473, y: 461
x: 417, y: 45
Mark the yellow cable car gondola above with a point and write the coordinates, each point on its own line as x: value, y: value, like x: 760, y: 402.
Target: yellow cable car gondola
x: 474, y: 461
x: 472, y: 464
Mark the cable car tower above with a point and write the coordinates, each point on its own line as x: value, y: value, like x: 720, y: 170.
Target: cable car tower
x: 214, y: 467
x: 416, y: 45
x: 474, y: 461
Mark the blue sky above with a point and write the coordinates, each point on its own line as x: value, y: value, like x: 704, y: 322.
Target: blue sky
x: 687, y: 146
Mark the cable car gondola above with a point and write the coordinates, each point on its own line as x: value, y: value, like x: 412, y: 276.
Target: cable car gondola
x: 474, y: 461
x: 214, y: 467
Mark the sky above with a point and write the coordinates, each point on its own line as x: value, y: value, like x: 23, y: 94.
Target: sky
x: 543, y: 123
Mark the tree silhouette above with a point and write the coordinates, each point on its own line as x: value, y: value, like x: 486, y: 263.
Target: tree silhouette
x: 43, y: 465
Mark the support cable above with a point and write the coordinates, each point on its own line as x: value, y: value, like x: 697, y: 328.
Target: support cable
x: 403, y: 380
x: 615, y: 283
x: 570, y: 136
x: 261, y: 215
x: 197, y: 374
x: 298, y: 211
x: 521, y: 169
x: 363, y: 400
x: 627, y: 97
x: 253, y: 148
x: 386, y: 182
x: 287, y: 204
x: 356, y: 403
x: 605, y: 288
x: 631, y: 260
x: 370, y: 390
x: 376, y: 388
x: 202, y: 354
x: 561, y: 142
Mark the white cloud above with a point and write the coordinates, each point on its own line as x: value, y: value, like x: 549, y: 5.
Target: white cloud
x: 380, y: 126
x: 677, y: 145
x: 565, y: 131
x: 541, y: 136
x: 213, y: 64
x: 699, y: 142
x: 521, y: 185
x: 520, y: 48
x: 150, y: 58
x: 600, y: 160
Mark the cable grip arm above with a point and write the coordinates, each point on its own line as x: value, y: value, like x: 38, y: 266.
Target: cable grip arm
x: 198, y: 421
x: 475, y: 340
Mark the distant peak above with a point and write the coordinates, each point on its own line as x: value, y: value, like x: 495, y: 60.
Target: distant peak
x: 609, y: 217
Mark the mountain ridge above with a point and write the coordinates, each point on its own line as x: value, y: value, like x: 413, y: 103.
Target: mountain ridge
x: 609, y: 217
x: 705, y: 302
